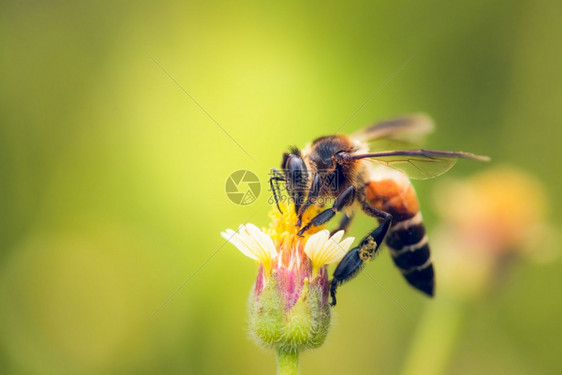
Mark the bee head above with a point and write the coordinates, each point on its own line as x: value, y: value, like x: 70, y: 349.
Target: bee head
x: 296, y: 176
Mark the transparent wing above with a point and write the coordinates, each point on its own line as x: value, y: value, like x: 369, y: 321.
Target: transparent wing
x: 407, y: 129
x: 418, y: 164
x: 418, y: 168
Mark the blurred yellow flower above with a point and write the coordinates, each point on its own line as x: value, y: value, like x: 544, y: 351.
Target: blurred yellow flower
x: 488, y: 219
x: 501, y: 209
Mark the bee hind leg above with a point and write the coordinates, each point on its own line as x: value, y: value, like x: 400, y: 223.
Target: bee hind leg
x: 353, y: 261
x: 347, y: 268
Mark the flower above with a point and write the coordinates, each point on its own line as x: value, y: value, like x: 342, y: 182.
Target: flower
x: 501, y: 209
x: 489, y: 220
x: 288, y: 304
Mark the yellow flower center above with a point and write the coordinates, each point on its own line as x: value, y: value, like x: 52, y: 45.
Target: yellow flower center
x: 284, y: 224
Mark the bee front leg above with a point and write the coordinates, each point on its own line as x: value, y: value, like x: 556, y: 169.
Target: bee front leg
x: 312, y: 195
x: 354, y: 260
x: 345, y: 198
x: 277, y: 176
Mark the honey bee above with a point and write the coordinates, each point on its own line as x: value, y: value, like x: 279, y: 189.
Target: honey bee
x: 344, y: 171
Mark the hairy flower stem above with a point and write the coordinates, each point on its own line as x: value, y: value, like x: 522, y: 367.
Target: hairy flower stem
x: 287, y: 361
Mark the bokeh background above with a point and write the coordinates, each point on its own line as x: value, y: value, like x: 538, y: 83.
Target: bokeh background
x: 112, y: 179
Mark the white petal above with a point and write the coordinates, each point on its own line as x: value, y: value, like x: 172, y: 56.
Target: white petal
x: 252, y: 229
x: 268, y: 242
x: 346, y: 244
x: 338, y: 235
x: 338, y: 251
x: 235, y: 239
x: 316, y: 242
x: 252, y: 242
x: 313, y: 243
x: 323, y: 249
x: 261, y: 252
x: 265, y: 241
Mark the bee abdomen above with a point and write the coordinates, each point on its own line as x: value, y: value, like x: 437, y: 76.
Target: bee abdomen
x: 408, y: 245
x: 406, y: 238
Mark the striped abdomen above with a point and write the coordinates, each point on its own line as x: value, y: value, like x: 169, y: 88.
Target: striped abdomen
x: 392, y: 192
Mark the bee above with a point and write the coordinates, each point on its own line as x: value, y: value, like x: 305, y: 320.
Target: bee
x: 340, y: 173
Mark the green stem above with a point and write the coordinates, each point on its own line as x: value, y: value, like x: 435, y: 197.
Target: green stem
x: 435, y: 339
x: 287, y: 361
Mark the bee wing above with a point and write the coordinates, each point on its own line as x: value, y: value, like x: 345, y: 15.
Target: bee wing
x: 406, y: 129
x: 418, y: 164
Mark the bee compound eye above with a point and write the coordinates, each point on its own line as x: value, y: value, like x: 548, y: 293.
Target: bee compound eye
x: 296, y: 171
x: 296, y: 178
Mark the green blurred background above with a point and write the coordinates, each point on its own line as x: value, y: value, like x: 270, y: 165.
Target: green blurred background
x: 112, y: 179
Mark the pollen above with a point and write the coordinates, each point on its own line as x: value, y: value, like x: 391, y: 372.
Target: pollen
x: 286, y: 223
